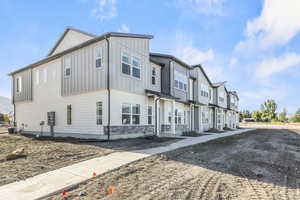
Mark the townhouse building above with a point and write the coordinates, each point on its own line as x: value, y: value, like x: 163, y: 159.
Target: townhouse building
x: 111, y: 86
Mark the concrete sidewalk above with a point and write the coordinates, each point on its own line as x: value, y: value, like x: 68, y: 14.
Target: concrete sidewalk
x: 43, y: 185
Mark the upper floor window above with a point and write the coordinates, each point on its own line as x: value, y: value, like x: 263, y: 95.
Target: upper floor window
x: 153, y: 76
x: 210, y: 94
x: 136, y: 67
x: 126, y: 64
x: 19, y: 84
x: 180, y: 81
x: 98, y: 57
x: 204, y: 90
x: 222, y: 97
x: 131, y: 113
x: 68, y: 66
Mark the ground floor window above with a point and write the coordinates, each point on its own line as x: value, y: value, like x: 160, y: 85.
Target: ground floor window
x: 131, y: 113
x: 69, y: 114
x: 170, y: 117
x: 150, y: 115
x: 99, y: 113
x: 178, y: 117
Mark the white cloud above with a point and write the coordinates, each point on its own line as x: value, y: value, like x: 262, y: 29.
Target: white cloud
x: 194, y: 56
x: 274, y: 65
x: 105, y: 10
x: 233, y: 61
x: 207, y: 7
x: 124, y: 28
x: 277, y: 24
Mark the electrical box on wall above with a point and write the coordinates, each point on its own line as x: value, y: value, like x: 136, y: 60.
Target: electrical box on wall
x: 51, y: 118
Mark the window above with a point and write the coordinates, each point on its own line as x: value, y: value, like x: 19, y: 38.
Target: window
x: 180, y: 81
x: 19, y: 84
x: 204, y: 90
x: 37, y: 75
x: 45, y: 75
x: 68, y: 66
x: 98, y: 57
x: 222, y: 97
x: 170, y: 117
x: 210, y: 94
x: 126, y: 64
x: 136, y: 111
x: 153, y: 76
x: 99, y: 113
x: 149, y: 114
x: 69, y: 114
x: 136, y: 68
x: 177, y: 116
x: 131, y: 113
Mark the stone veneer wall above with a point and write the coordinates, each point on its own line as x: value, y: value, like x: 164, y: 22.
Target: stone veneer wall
x: 146, y: 129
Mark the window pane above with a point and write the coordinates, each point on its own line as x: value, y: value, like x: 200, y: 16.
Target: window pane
x: 126, y: 68
x: 68, y: 71
x: 99, y: 113
x: 180, y: 85
x: 136, y: 63
x: 184, y: 87
x: 69, y: 114
x: 149, y: 110
x: 125, y: 119
x: 153, y: 80
x: 153, y: 72
x: 126, y: 108
x: 176, y: 84
x: 149, y: 119
x: 136, y: 72
x: 98, y: 62
x: 135, y: 119
x: 125, y: 59
x: 136, y: 109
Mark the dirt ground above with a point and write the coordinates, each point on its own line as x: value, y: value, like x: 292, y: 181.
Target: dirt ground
x: 44, y: 156
x: 261, y: 164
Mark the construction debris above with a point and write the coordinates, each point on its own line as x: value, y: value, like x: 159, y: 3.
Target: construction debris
x: 18, y: 153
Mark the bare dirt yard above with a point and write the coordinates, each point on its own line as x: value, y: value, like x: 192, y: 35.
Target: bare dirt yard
x: 261, y: 164
x: 45, y: 155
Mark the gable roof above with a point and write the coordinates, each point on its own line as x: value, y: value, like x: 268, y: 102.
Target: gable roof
x: 218, y: 84
x: 63, y: 36
x: 202, y: 70
x: 172, y: 58
x: 86, y: 43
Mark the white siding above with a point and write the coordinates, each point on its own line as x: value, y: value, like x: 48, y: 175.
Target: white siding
x: 72, y: 38
x: 47, y: 97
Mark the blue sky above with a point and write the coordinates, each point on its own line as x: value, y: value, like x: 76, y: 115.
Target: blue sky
x: 254, y: 45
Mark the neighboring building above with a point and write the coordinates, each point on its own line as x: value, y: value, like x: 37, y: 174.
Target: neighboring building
x: 112, y: 86
x: 232, y: 114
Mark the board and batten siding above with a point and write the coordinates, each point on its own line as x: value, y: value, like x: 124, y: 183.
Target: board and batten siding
x: 157, y: 86
x: 85, y: 77
x: 138, y: 48
x: 181, y: 94
x: 26, y: 81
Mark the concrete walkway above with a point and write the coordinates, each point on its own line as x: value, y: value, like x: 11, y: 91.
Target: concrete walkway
x: 46, y: 184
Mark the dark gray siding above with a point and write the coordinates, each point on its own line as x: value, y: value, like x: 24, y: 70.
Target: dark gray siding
x: 26, y: 92
x: 165, y: 74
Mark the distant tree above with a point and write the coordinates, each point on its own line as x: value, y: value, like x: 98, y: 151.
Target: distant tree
x: 1, y: 117
x: 6, y: 118
x: 269, y: 108
x: 256, y: 115
x: 296, y: 117
x: 245, y: 114
x: 282, y: 116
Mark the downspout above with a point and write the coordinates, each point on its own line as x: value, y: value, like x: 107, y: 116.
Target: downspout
x: 108, y: 87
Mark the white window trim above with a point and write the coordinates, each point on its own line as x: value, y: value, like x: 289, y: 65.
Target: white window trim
x: 100, y: 116
x: 100, y: 49
x: 131, y: 58
x: 179, y: 81
x: 150, y: 115
x: 131, y: 114
x: 153, y: 76
x: 19, y: 84
x: 67, y: 67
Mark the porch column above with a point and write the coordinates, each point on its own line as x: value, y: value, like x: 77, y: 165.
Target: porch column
x: 157, y: 117
x: 173, y: 118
